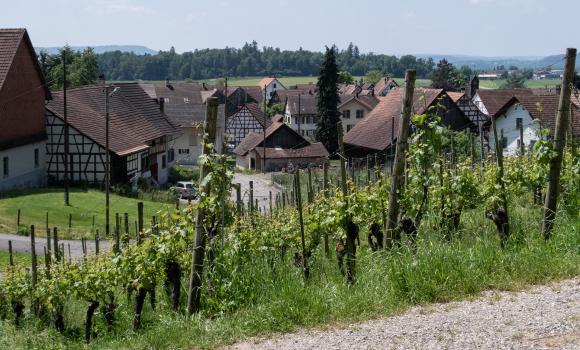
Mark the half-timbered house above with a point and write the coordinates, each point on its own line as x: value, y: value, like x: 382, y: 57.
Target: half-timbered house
x: 140, y: 137
x: 249, y: 118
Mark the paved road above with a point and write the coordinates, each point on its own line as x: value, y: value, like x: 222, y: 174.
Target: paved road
x: 541, y: 317
x: 21, y: 244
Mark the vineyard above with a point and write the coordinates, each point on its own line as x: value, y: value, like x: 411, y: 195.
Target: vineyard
x: 218, y: 269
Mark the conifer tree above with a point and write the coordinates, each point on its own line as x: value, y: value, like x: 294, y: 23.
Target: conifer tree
x: 328, y: 100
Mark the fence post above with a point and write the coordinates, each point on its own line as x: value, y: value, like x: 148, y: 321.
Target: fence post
x: 34, y: 266
x: 10, y: 256
x: 97, y: 242
x: 55, y: 244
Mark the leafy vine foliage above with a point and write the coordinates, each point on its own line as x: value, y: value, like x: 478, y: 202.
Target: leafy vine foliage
x: 436, y: 194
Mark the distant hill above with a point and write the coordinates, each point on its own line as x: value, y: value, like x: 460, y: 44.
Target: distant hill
x: 482, y: 62
x: 138, y: 50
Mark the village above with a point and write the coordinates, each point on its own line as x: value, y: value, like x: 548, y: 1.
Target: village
x: 183, y: 213
x: 155, y: 126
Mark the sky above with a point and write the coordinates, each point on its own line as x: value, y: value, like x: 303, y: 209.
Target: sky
x: 468, y: 27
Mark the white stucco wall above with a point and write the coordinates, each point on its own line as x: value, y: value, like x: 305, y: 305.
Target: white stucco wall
x: 22, y: 172
x: 275, y: 85
x: 352, y: 106
x: 507, y: 123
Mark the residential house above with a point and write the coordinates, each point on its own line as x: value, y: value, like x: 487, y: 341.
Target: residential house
x: 301, y: 114
x: 247, y: 119
x: 354, y: 108
x: 384, y: 86
x: 377, y: 132
x: 184, y: 104
x: 23, y: 93
x: 140, y: 137
x: 281, y: 147
x: 521, y: 118
x: 270, y: 85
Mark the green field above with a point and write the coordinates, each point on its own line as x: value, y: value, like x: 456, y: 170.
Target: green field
x: 532, y: 84
x: 84, y: 206
x: 289, y: 81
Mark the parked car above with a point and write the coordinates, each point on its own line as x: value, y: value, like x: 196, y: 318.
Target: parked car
x: 185, y: 189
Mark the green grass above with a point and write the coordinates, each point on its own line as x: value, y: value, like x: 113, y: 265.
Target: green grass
x: 19, y: 259
x: 387, y: 282
x: 84, y: 205
x: 532, y: 84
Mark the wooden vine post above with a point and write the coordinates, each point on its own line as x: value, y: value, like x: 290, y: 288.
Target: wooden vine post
x: 552, y: 192
x: 305, y: 269
x: 34, y: 267
x: 198, y: 250
x: 349, y: 227
x: 503, y: 227
x: 400, y: 156
x: 326, y: 195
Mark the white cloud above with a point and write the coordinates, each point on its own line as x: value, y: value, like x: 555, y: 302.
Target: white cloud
x: 119, y: 6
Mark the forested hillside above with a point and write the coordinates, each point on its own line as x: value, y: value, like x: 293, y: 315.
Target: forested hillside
x: 250, y: 60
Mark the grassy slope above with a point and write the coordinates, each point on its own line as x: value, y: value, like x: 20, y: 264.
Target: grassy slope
x: 387, y: 282
x: 84, y: 205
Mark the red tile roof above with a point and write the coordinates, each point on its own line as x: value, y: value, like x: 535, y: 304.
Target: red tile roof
x: 369, y: 101
x: 315, y: 150
x: 544, y: 108
x: 135, y: 118
x: 374, y: 131
x: 10, y: 41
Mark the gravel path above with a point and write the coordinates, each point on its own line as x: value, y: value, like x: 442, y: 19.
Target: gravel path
x: 543, y: 317
x: 262, y: 187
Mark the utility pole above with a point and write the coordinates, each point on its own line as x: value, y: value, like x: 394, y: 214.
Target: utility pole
x: 299, y: 112
x: 265, y: 118
x: 552, y: 192
x: 107, y: 158
x: 66, y: 136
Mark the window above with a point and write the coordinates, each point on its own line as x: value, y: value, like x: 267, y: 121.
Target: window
x: 145, y: 162
x: 5, y: 171
x: 503, y: 140
x: 274, y: 85
x: 186, y: 99
x: 36, y: 158
x: 163, y: 161
x: 183, y: 151
x: 346, y: 114
x: 519, y: 123
x: 171, y: 155
x: 193, y: 140
x: 348, y: 127
x: 360, y: 113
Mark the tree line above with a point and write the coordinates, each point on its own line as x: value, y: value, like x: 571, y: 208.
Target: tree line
x: 250, y: 60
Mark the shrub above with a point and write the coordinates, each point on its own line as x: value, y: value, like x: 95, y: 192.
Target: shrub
x: 183, y: 173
